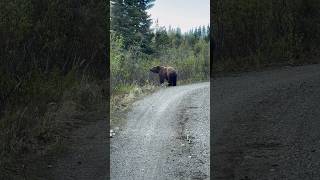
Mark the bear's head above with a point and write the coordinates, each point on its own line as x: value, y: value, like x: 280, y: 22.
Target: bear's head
x: 155, y: 69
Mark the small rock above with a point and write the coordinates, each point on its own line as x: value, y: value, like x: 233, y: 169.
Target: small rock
x: 189, y: 156
x: 49, y: 166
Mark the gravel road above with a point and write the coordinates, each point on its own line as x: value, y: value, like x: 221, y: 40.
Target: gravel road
x: 166, y: 136
x: 266, y: 125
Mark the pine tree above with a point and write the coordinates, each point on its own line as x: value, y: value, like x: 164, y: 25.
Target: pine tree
x: 203, y: 32
x: 130, y: 20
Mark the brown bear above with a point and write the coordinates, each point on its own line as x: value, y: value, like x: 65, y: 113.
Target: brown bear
x: 166, y: 72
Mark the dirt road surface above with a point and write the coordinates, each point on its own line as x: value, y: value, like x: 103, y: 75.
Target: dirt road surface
x: 166, y: 136
x: 266, y: 125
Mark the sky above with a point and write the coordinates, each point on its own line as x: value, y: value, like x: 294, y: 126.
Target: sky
x: 185, y: 14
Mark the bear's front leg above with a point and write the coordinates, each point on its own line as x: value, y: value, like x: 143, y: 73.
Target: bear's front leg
x: 161, y: 80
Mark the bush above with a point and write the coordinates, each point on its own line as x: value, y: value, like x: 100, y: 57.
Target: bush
x: 131, y: 66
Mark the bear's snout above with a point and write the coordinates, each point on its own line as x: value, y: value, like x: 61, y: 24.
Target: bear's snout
x: 154, y: 70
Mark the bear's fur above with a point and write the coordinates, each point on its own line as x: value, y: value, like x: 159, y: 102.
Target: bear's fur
x: 166, y: 73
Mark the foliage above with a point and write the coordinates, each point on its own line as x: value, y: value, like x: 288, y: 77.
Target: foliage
x: 135, y: 47
x: 258, y: 33
x: 47, y: 48
x: 130, y: 20
x: 188, y: 53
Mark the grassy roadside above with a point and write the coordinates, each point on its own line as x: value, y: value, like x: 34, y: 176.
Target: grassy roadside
x: 124, y: 96
x: 122, y: 99
x: 33, y: 133
x: 222, y: 68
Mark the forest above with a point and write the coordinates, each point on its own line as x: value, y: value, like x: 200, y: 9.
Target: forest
x: 136, y: 46
x: 253, y: 34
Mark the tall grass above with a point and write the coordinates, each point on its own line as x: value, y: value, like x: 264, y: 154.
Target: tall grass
x: 133, y: 67
x: 41, y: 111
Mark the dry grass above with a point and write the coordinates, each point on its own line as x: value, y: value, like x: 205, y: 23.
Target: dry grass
x: 121, y: 101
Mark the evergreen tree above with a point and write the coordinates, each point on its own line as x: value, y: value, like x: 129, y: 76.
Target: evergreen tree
x: 130, y: 20
x: 203, y: 32
x: 161, y: 39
